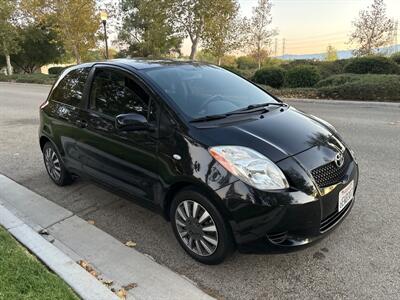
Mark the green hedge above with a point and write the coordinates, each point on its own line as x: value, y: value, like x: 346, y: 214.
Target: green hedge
x: 367, y: 87
x: 244, y: 73
x: 246, y: 63
x: 29, y: 78
x: 272, y: 76
x: 299, y: 93
x: 302, y: 76
x: 361, y: 87
x: 396, y: 57
x: 329, y: 68
x: 56, y: 70
x: 338, y: 80
x: 372, y: 65
x: 325, y: 68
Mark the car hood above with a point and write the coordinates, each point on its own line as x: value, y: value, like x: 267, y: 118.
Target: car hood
x: 277, y: 134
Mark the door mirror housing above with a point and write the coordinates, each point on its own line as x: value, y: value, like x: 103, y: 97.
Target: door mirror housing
x: 132, y: 122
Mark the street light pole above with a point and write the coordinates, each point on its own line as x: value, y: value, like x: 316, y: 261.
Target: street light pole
x: 104, y: 16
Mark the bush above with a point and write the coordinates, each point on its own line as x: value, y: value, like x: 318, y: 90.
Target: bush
x: 56, y: 70
x: 273, y: 76
x: 246, y: 62
x: 302, y: 76
x: 362, y: 87
x: 298, y: 93
x: 248, y: 74
x: 337, y: 80
x: 29, y: 78
x: 372, y: 65
x: 396, y: 57
x: 329, y: 68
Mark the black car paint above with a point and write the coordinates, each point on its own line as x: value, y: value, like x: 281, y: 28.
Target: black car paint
x: 142, y: 164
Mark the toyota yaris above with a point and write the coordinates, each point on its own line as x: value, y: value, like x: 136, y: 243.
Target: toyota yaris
x: 227, y: 163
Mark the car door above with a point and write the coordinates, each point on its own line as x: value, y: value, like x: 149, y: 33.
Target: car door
x: 63, y: 115
x: 123, y: 159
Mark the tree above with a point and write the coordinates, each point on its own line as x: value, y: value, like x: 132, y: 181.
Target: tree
x: 373, y: 29
x: 224, y: 34
x: 331, y: 53
x: 259, y: 32
x: 8, y: 32
x: 76, y: 21
x: 146, y: 28
x: 39, y: 45
x: 193, y: 18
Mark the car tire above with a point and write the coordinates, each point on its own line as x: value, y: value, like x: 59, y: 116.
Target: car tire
x: 206, y: 246
x: 55, y: 166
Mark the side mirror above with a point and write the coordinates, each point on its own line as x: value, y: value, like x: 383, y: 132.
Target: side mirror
x: 132, y: 122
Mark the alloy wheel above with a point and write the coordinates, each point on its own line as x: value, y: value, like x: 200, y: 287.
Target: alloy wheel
x: 196, y: 228
x: 53, y: 165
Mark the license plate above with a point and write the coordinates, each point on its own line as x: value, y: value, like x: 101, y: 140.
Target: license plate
x: 346, y: 195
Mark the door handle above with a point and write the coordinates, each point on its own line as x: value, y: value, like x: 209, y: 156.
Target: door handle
x: 81, y: 123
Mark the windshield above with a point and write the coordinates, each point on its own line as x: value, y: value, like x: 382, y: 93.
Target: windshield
x: 207, y: 90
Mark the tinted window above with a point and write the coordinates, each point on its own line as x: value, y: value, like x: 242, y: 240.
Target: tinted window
x: 70, y: 89
x: 207, y: 90
x: 114, y: 93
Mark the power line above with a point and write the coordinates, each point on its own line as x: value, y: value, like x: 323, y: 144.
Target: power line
x: 318, y: 36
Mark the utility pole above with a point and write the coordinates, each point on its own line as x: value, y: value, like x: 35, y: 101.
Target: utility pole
x: 276, y: 47
x: 396, y: 30
x: 283, y: 46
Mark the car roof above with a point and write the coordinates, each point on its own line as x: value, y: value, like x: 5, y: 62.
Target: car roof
x: 140, y: 64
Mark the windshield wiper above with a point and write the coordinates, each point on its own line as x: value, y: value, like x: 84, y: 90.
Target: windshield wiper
x: 250, y: 108
x: 254, y: 106
x: 209, y: 118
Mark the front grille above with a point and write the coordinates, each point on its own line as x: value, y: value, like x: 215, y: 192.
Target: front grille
x: 331, y: 174
x: 332, y: 219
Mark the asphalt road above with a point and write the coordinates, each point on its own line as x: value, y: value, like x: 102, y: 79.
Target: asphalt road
x: 361, y: 259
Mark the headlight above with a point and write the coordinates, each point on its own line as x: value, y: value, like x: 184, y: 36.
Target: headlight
x: 326, y: 123
x: 250, y: 166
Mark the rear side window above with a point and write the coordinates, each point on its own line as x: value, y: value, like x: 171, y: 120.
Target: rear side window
x: 114, y: 93
x: 70, y: 89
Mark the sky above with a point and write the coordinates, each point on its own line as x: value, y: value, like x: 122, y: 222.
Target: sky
x: 310, y: 25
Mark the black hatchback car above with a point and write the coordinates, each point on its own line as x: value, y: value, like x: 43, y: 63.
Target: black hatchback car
x: 227, y: 163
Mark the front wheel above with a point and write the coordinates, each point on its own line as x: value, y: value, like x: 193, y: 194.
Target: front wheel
x: 54, y: 166
x: 200, y: 228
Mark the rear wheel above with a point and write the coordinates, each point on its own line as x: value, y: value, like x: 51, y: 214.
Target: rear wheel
x: 200, y: 228
x: 54, y: 166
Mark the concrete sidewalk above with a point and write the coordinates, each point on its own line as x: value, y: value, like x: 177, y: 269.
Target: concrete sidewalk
x: 76, y: 239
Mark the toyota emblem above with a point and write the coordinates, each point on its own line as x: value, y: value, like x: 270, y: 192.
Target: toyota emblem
x: 339, y: 160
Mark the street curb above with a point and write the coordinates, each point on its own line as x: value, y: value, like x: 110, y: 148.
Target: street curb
x: 355, y: 102
x: 84, y: 284
x: 77, y: 238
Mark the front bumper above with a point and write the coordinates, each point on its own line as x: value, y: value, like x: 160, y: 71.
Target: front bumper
x: 285, y: 220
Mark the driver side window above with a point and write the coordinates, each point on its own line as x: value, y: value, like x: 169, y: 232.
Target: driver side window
x: 114, y: 93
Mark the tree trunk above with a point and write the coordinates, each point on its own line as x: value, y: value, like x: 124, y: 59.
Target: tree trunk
x: 9, y: 66
x: 194, y: 48
x: 219, y: 60
x: 77, y: 55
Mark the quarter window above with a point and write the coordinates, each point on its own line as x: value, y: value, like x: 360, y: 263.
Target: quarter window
x: 114, y: 93
x: 70, y: 89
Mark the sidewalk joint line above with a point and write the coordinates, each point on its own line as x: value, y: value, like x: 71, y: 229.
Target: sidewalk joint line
x: 62, y: 220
